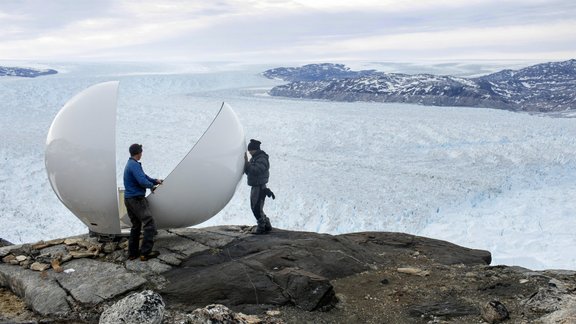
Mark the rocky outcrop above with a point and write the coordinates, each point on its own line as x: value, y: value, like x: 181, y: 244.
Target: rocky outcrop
x: 3, y: 242
x: 295, y: 267
x: 43, y: 296
x: 315, y: 72
x: 24, y: 72
x: 543, y: 87
x: 284, y: 276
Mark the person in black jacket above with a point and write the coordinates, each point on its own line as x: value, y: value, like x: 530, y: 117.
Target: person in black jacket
x: 257, y: 170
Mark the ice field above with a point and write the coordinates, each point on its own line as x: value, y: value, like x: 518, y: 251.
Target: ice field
x: 481, y: 178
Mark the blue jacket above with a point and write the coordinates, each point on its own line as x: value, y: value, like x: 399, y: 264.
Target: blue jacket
x: 135, y: 180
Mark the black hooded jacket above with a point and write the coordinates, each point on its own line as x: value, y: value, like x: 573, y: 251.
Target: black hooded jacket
x: 257, y: 169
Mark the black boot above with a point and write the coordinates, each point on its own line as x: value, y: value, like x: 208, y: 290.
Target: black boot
x: 261, y: 227
x: 267, y: 225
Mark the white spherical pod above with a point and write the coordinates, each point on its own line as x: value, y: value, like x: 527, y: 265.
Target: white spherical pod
x: 81, y: 165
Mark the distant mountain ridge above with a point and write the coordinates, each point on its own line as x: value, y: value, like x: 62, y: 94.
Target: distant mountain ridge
x: 24, y: 72
x: 542, y: 87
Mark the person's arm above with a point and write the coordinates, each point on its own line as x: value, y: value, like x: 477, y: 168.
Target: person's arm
x: 257, y: 166
x: 246, y: 163
x: 142, y: 179
x: 154, y: 181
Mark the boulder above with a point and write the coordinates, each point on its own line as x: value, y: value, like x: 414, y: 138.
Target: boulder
x: 21, y: 258
x: 146, y: 307
x: 38, y: 266
x: 9, y: 258
x: 494, y: 312
x: 220, y: 314
x: 305, y: 290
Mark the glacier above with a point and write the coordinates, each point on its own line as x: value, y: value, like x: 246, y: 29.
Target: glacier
x: 483, y: 178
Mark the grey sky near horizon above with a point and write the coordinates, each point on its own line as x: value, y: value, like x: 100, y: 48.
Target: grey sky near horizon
x: 256, y: 31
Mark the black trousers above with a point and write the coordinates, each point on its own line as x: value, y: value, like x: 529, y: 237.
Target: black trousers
x: 257, y: 198
x: 141, y: 218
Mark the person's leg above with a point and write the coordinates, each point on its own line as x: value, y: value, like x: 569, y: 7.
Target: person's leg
x: 256, y: 206
x: 254, y: 195
x: 134, y: 239
x: 149, y: 227
x: 265, y: 192
x: 265, y: 220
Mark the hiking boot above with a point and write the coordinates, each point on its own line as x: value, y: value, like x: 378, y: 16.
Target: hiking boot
x: 151, y: 255
x: 267, y: 225
x: 132, y: 257
x: 259, y: 229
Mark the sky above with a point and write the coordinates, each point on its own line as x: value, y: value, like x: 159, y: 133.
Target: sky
x: 267, y: 31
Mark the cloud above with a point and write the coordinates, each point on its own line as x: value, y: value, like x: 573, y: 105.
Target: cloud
x: 261, y: 30
x: 473, y: 38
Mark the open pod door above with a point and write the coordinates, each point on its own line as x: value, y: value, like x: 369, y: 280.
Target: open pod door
x: 81, y: 157
x: 206, y: 179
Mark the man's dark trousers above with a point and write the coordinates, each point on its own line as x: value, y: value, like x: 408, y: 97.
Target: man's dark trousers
x: 141, y: 218
x: 257, y: 197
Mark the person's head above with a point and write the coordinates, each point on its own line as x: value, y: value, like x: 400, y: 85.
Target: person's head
x: 135, y: 151
x: 254, y: 146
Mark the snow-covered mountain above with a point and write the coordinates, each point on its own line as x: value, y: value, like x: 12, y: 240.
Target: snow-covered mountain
x: 542, y: 87
x: 24, y: 72
x: 315, y: 72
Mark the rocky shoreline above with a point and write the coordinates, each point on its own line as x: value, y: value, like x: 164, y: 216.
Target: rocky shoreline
x: 282, y: 277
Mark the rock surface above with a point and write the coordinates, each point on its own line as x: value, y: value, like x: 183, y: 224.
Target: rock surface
x: 284, y: 277
x: 42, y: 295
x: 93, y: 282
x: 285, y: 267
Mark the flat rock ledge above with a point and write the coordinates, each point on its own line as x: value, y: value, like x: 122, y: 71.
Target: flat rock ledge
x: 369, y: 277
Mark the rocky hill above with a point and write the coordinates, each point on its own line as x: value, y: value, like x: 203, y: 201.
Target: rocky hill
x: 315, y: 72
x: 227, y: 275
x: 24, y: 72
x: 543, y: 87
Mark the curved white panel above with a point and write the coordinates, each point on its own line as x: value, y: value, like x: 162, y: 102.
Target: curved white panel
x: 206, y: 179
x: 81, y: 158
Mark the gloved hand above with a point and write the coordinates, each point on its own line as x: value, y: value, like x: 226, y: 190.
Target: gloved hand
x: 269, y: 193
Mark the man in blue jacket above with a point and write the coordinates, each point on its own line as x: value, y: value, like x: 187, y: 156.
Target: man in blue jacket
x: 135, y: 184
x: 257, y: 170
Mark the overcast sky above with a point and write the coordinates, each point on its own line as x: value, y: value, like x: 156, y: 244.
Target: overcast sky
x: 287, y: 30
